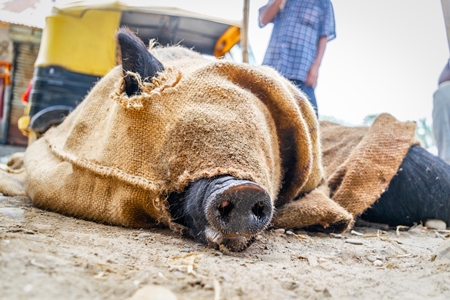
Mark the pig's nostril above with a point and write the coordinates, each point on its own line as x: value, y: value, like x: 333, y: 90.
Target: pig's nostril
x: 225, y: 209
x: 258, y: 210
x: 239, y: 207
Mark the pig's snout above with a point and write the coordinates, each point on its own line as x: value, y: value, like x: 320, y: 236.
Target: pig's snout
x: 238, y: 207
x: 222, y: 210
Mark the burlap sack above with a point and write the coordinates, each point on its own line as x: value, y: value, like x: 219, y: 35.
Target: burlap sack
x: 12, y: 177
x: 361, y: 161
x: 116, y: 158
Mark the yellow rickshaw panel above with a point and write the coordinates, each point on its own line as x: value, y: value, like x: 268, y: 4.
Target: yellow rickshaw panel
x: 83, y: 44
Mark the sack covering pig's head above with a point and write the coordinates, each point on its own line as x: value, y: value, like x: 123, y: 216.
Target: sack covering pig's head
x: 167, y: 119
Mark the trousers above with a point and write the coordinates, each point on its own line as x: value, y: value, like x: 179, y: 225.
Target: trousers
x: 309, y: 91
x: 441, y: 120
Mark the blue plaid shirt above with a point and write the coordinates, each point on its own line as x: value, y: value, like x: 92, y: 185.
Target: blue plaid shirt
x: 295, y: 35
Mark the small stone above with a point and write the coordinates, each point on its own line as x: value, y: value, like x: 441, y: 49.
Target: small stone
x: 371, y: 258
x: 354, y: 232
x: 354, y: 241
x: 435, y: 224
x: 144, y: 235
x: 378, y: 263
x: 288, y: 232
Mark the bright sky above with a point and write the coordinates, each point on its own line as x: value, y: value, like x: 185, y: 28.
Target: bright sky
x: 387, y: 57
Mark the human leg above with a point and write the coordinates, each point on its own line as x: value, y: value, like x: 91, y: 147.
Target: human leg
x: 309, y: 91
x: 441, y: 122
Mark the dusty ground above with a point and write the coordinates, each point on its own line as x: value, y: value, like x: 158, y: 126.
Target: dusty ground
x: 44, y: 255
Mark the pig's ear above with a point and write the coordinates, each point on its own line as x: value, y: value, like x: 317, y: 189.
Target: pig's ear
x: 137, y: 59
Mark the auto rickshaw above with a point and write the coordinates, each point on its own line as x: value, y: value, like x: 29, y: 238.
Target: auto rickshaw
x: 78, y: 47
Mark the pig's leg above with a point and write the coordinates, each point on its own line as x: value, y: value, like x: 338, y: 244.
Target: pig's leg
x: 223, y: 210
x: 419, y: 191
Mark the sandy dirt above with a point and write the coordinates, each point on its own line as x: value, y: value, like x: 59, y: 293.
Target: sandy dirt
x: 45, y: 255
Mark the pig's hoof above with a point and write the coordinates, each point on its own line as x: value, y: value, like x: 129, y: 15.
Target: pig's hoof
x: 242, y: 208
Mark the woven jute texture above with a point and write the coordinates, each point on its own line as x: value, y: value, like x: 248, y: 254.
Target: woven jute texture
x: 361, y: 161
x: 13, y: 176
x: 115, y: 158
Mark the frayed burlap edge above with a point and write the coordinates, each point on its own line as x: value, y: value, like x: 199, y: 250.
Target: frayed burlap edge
x: 366, y: 173
x: 168, y: 78
x: 314, y: 208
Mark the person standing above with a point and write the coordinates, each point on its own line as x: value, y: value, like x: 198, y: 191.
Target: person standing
x: 301, y: 30
x: 441, y: 114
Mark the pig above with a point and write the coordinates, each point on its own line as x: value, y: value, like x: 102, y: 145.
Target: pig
x: 216, y: 150
x: 419, y: 191
x: 231, y: 211
x: 219, y: 210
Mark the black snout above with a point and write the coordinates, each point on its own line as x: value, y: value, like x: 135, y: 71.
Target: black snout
x: 222, y: 210
x: 239, y: 207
